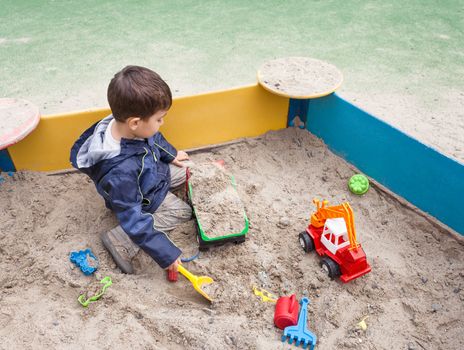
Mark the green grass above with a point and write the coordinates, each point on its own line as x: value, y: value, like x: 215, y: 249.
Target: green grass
x: 62, y: 54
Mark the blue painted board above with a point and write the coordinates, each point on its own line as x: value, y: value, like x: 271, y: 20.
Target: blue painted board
x: 6, y: 164
x: 420, y: 174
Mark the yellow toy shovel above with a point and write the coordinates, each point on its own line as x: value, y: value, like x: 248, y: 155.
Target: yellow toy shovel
x: 197, y: 281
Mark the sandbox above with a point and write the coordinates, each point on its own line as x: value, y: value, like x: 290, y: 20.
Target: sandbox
x: 413, y: 297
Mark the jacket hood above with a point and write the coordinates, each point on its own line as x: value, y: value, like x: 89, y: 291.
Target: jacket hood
x: 90, y: 156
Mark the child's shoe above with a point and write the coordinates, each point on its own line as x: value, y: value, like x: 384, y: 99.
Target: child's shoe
x: 121, y: 248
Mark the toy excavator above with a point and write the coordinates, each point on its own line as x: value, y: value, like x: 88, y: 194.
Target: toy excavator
x: 331, y: 233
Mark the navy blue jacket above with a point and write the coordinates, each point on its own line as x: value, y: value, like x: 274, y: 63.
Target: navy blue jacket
x: 133, y: 181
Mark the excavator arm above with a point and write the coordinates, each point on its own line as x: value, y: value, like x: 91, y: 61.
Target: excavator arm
x: 338, y: 211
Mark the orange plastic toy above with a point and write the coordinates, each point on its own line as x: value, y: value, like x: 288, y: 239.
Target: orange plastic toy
x: 332, y: 234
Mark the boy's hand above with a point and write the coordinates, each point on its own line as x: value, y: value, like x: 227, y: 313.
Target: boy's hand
x: 181, y: 155
x: 173, y: 266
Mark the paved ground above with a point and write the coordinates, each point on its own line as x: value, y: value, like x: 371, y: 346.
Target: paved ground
x: 404, y: 62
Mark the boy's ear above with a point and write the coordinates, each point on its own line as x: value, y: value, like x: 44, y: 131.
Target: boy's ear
x: 133, y: 122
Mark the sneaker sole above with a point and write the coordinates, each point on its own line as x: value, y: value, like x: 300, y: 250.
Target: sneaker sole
x: 123, y: 265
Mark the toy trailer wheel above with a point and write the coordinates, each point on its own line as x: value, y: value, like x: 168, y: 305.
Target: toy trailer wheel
x: 330, y: 267
x: 201, y: 248
x: 240, y: 241
x: 306, y: 242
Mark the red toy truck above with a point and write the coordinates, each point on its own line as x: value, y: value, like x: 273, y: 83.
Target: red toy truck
x: 331, y: 233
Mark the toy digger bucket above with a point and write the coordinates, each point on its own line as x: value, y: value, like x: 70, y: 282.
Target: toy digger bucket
x: 197, y: 281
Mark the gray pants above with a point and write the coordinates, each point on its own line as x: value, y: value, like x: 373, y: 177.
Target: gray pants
x: 172, y: 211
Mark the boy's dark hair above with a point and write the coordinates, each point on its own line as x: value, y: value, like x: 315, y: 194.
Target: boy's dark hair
x: 137, y: 92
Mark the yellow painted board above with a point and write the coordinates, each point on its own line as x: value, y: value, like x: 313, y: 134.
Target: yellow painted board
x: 224, y: 116
x: 193, y: 121
x: 48, y: 146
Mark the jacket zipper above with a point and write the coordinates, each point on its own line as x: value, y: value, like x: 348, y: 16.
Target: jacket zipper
x: 138, y: 184
x: 140, y: 174
x: 154, y: 157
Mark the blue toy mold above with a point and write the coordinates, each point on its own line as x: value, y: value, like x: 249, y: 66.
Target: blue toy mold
x: 80, y: 258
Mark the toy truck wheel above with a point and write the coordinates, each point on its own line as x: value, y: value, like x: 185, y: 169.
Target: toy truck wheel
x: 306, y: 242
x: 330, y: 267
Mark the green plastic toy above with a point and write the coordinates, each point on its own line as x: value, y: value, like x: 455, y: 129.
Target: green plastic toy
x: 205, y: 241
x: 358, y: 184
x: 85, y: 302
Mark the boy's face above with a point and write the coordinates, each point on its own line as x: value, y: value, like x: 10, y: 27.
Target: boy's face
x: 148, y: 127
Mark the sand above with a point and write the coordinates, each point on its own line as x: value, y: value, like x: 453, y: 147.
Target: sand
x: 217, y: 204
x: 300, y: 77
x: 413, y: 296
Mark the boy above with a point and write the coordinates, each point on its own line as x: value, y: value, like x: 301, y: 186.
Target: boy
x: 134, y: 167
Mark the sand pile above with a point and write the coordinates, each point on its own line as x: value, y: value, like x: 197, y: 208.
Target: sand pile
x: 217, y: 204
x: 300, y: 76
x: 414, y: 296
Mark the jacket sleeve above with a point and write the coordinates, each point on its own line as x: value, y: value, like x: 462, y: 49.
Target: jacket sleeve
x: 126, y: 202
x: 167, y: 151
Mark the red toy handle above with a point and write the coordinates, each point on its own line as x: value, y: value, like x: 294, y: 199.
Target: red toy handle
x: 172, y: 275
x: 292, y: 303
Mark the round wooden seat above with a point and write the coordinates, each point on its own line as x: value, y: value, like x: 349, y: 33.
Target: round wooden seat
x: 18, y: 118
x: 299, y: 77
